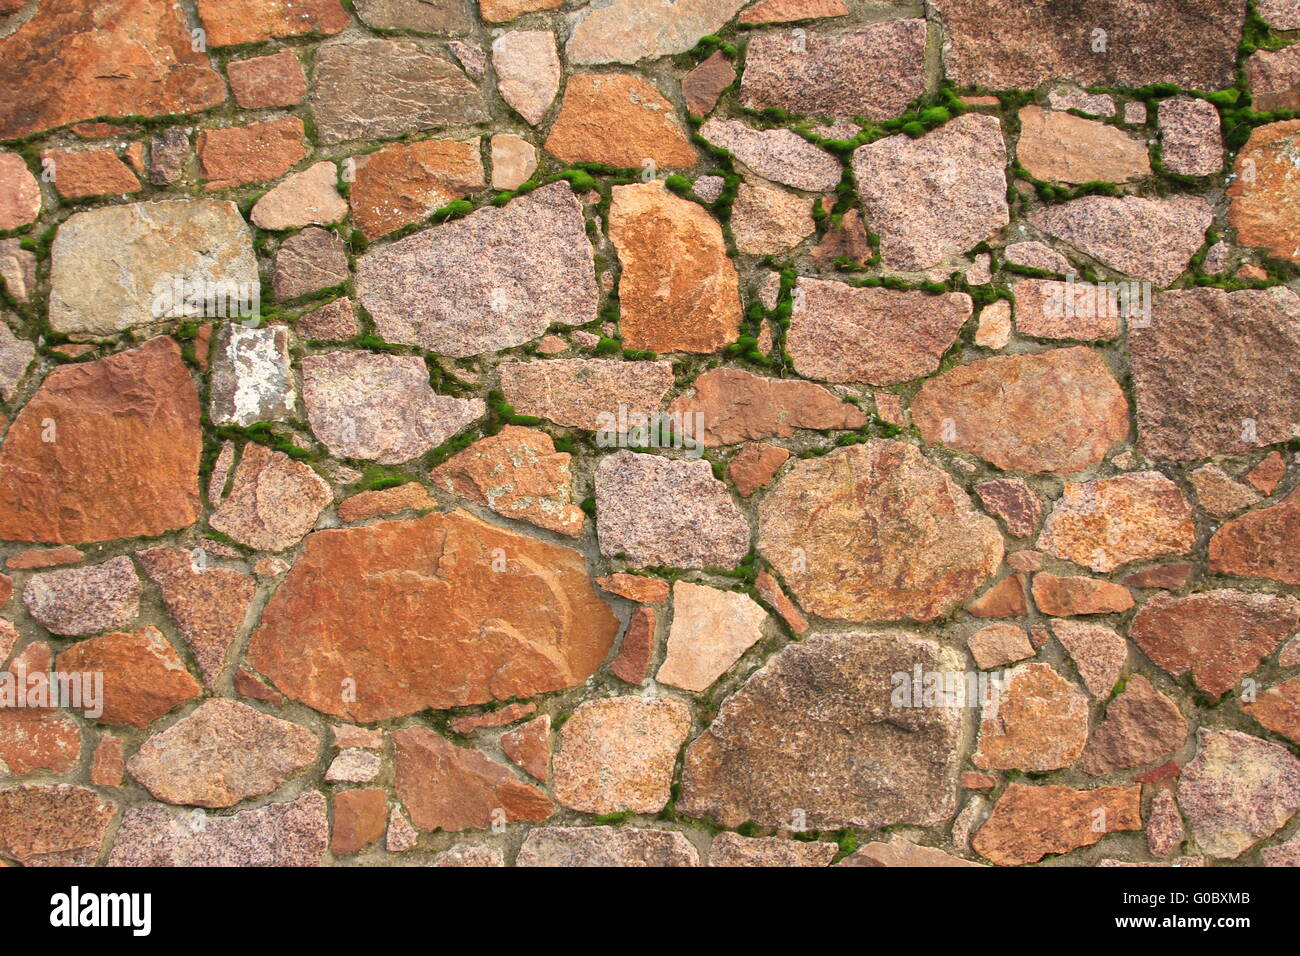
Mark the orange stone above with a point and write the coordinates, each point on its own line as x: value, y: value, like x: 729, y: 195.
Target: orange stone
x: 1027, y: 823
x: 1261, y: 544
x: 770, y: 591
x: 1007, y: 598
x: 1262, y: 205
x: 405, y: 182
x: 633, y: 661
x: 739, y: 406
x: 79, y: 173
x: 230, y: 22
x: 250, y: 154
x: 620, y: 120
x: 492, y: 718
x: 385, y: 501
x: 1278, y: 709
x: 144, y: 677
x: 635, y: 587
x: 1065, y: 596
x: 360, y: 818
x: 530, y: 747
x: 755, y: 465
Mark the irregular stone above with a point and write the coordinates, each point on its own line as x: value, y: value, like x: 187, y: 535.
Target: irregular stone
x: 118, y: 267
x: 1057, y: 411
x: 994, y: 331
x: 638, y: 647
x: 1268, y: 474
x: 841, y: 333
x: 1260, y: 544
x: 17, y: 270
x: 937, y: 196
x: 408, y: 634
x: 779, y: 155
x: 255, y: 153
x: 1025, y: 560
x: 1014, y: 502
x: 876, y: 532
x: 1150, y: 239
x: 1097, y: 651
x: 232, y: 22
x: 1279, y: 14
x: 527, y: 66
x: 1286, y: 854
x: 305, y: 198
x: 900, y: 852
x: 1219, y: 636
x: 1036, y: 255
x: 471, y: 286
x: 499, y: 11
x: 636, y: 587
x: 418, y: 16
x: 1172, y: 577
x: 279, y: 834
x: 20, y: 193
x: 874, y: 71
x: 678, y: 290
x: 731, y: 849
x: 476, y: 856
x: 1165, y: 832
x: 711, y: 630
x: 625, y: 31
x: 354, y: 766
x: 704, y: 84
x: 1007, y: 598
x: 169, y: 151
x: 846, y: 239
x: 1274, y: 78
x: 815, y: 730
x: 144, y: 678
x: 247, y: 685
x: 108, y: 766
x: 1220, y: 494
x: 529, y: 747
x: 1278, y: 709
x: 587, y: 393
x: 692, y: 521
x: 53, y: 825
x: 34, y: 740
x: 770, y: 591
x: 492, y: 718
x: 605, y: 846
x: 308, y: 262
x: 221, y: 753
x: 472, y: 58
x: 514, y: 160
x: 997, y: 645
x: 386, y: 501
x: 1051, y: 309
x: 360, y: 818
x: 1191, y: 141
x: 273, y: 502
x: 405, y: 183
x: 265, y: 81
x: 252, y: 378
x: 62, y: 65
x: 1236, y: 791
x: 1028, y: 822
x: 379, y: 407
x: 518, y: 474
x: 1064, y: 148
x: 618, y: 119
x: 446, y: 787
x: 755, y: 465
x: 792, y: 11
x: 79, y: 601
x: 1098, y: 104
x: 383, y: 89
x: 1142, y: 726
x: 39, y: 558
x: 1019, y: 46
x: 1067, y: 596
x: 767, y: 220
x: 333, y: 322
x: 80, y: 173
x: 1036, y: 720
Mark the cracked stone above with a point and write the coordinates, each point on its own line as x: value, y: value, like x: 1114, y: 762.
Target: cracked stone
x: 252, y: 378
x: 309, y: 261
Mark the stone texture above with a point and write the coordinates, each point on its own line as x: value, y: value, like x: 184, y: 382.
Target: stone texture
x: 527, y: 66
x: 1057, y: 411
x: 1007, y: 598
x: 72, y: 62
x: 82, y: 173
x: 418, y: 16
x: 265, y: 81
x: 470, y: 286
x: 1141, y: 726
x: 1274, y: 78
x: 308, y: 262
x: 1051, y: 309
x: 360, y: 818
x: 1268, y: 474
x: 1165, y: 831
x: 994, y: 331
x: 1191, y: 143
x: 385, y: 501
x: 618, y: 119
x: 1036, y: 255
x: 169, y: 152
x: 586, y: 393
x: 1098, y: 652
x: 221, y: 753
x: 846, y: 239
x: 996, y: 645
x: 17, y: 269
x: 295, y: 833
x: 703, y: 85
x: 839, y: 333
x: 207, y: 605
x: 1149, y: 239
x: 755, y: 465
x: 273, y: 501
x: 636, y: 587
x: 53, y: 825
x: 20, y: 193
x: 791, y: 11
x: 1028, y: 823
x: 108, y: 766
x: 711, y: 629
x: 1064, y: 148
x: 492, y: 718
x: 660, y: 511
x: 626, y: 31
x: 1065, y: 596
x: 1035, y: 721
x: 235, y: 155
x: 874, y: 71
x: 1260, y: 205
x: 678, y: 290
x: 1236, y: 791
x: 899, y: 852
x: 404, y: 183
x: 334, y: 322
x: 115, y: 267
x: 876, y: 532
x: 779, y: 155
x: 1278, y: 709
x: 605, y: 846
x: 408, y: 628
x: 814, y: 729
x: 514, y: 160
x: 252, y: 378
x: 382, y: 89
x: 730, y: 849
x: 353, y: 766
x: 310, y: 197
x: 77, y: 601
x: 144, y: 678
x: 446, y: 787
x: 1069, y: 98
x: 1219, y: 636
x: 768, y: 221
x: 632, y: 664
x: 1219, y: 494
x: 1260, y: 544
x: 1014, y: 502
x: 937, y: 196
x: 232, y: 22
x: 15, y: 359
x: 518, y: 474
x: 36, y: 740
x: 529, y: 747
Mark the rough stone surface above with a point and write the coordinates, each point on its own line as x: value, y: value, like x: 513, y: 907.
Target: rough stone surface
x: 334, y: 322
x: 738, y: 406
x: 1274, y: 78
x: 232, y: 22
x: 529, y: 747
x: 144, y: 677
x: 730, y: 849
x: 527, y: 66
x: 308, y: 262
x: 53, y: 825
x: 626, y: 31
x: 1065, y: 596
x: 1142, y: 726
x: 996, y: 645
x: 420, y: 16
x: 711, y: 629
x: 1051, y: 309
x: 258, y: 152
x: 779, y: 155
x: 82, y: 173
x: 79, y: 601
x: 605, y: 846
x: 1035, y: 721
x: 514, y: 160
x: 310, y: 197
x: 767, y: 220
x: 1278, y: 709
x: 1191, y: 143
x: 404, y: 183
x: 1261, y: 206
x: 586, y: 393
x: 703, y: 85
x: 273, y: 501
x: 265, y: 81
x: 1218, y: 493
x: 1098, y: 652
x: 20, y: 193
x: 252, y: 378
x: 618, y: 119
x: 755, y: 465
x: 636, y: 587
x: 1029, y: 822
x: 1260, y: 544
x: 1014, y: 502
x: 360, y: 818
x: 1064, y: 148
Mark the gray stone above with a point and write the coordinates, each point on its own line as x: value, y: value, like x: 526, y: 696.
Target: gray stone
x: 252, y: 378
x: 440, y: 17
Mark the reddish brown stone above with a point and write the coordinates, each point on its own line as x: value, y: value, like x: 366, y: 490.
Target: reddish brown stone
x: 755, y: 465
x: 446, y: 787
x: 1029, y: 822
x: 405, y: 182
x: 79, y: 173
x: 1066, y: 596
x: 492, y: 718
x: 1266, y: 476
x: 407, y: 632
x: 618, y: 119
x: 20, y: 194
x: 144, y: 677
x: 1165, y: 831
x: 231, y: 22
x: 1098, y: 652
x: 1260, y: 207
x: 1219, y: 636
x: 635, y: 587
x: 254, y: 153
x: 1166, y: 771
x: 360, y: 818
x: 1007, y: 598
x: 971, y: 780
x: 1014, y: 502
x: 1260, y: 544
x: 38, y: 739
x: 54, y: 825
x: 248, y: 685
x: 108, y: 766
x: 1036, y: 721
x: 770, y: 591
x: 1278, y: 709
x: 997, y: 645
x: 38, y: 558
x: 124, y: 461
x: 529, y: 747
x: 568, y: 847
x: 1171, y: 577
x: 386, y: 501
x: 264, y: 81
x: 633, y: 661
x: 1141, y: 726
x: 739, y: 406
x: 702, y: 86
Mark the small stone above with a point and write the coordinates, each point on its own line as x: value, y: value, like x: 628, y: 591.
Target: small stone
x: 305, y: 198
x: 1219, y: 636
x: 1260, y: 544
x: 1064, y: 148
x: 308, y: 262
x: 354, y: 766
x: 619, y: 119
x: 755, y: 465
x: 1036, y: 721
x: 937, y: 196
x: 360, y: 817
x: 273, y: 502
x: 792, y: 11
x: 233, y: 22
x: 333, y: 322
x: 169, y: 151
x: 1014, y: 502
x: 252, y: 378
x: 1007, y: 598
x: 1191, y: 142
x: 1165, y: 832
x: 1219, y: 493
x: 703, y: 85
x: 418, y: 16
x: 711, y: 630
x: 994, y: 331
x: 1135, y: 113
x: 1098, y: 104
x: 1051, y: 309
x: 636, y: 587
x: 144, y: 677
x: 1036, y: 255
x: 605, y: 846
x: 108, y: 767
x: 1029, y: 822
x: 769, y: 221
x: 405, y: 183
x: 247, y: 685
x: 527, y: 66
x: 1236, y: 791
x: 15, y: 358
x: 80, y: 173
x: 900, y: 852
x: 513, y: 161
x: 627, y: 31
x: 349, y: 735
x: 730, y: 849
x: 385, y: 501
x: 221, y: 753
x: 633, y: 661
x: 688, y: 301
x: 17, y: 270
x: 1171, y: 577
x: 1142, y: 726
x: 1058, y: 411
x: 266, y: 81
x: 254, y: 153
x: 20, y: 193
x: 80, y: 601
x: 1274, y: 78
x: 1150, y: 239
x: 1097, y: 651
x: 846, y: 239
x: 1267, y: 475
x: 518, y: 474
x: 842, y: 333
x: 770, y: 591
x: 529, y: 747
x: 874, y: 71
x: 1026, y: 560
x: 997, y: 645
x: 1068, y: 596
x: 779, y: 155
x: 978, y: 781
x: 379, y: 407
x: 587, y: 393
x: 32, y: 739
x: 446, y: 787
x: 401, y: 835
x: 53, y: 825
x: 1278, y: 709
